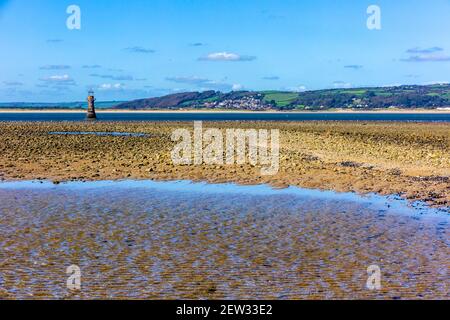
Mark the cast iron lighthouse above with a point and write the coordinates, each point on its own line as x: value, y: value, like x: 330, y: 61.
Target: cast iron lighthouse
x: 91, y: 106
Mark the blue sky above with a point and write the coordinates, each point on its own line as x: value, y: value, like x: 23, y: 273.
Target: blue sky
x: 139, y: 48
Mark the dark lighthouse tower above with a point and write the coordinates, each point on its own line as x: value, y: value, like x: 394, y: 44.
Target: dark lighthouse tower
x: 91, y: 106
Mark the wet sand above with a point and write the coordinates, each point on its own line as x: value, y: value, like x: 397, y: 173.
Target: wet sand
x: 409, y: 159
x: 145, y: 241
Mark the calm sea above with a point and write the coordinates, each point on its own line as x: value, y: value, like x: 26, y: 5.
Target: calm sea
x: 117, y: 116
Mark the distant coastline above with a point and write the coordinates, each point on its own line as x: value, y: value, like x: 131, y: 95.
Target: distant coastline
x: 404, y: 99
x: 405, y: 111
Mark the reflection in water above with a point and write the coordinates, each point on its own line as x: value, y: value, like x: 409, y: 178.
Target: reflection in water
x: 180, y: 240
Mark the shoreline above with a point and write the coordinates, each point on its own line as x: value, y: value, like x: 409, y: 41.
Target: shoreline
x: 331, y: 111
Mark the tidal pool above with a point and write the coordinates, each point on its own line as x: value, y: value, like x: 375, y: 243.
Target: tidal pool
x: 170, y: 240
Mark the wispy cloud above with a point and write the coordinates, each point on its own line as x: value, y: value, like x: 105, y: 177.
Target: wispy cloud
x: 221, y: 86
x: 427, y: 58
x: 237, y: 87
x: 93, y: 66
x: 204, y: 83
x: 115, y: 70
x: 59, y: 80
x: 197, y: 44
x: 12, y: 83
x: 17, y: 93
x: 111, y: 86
x: 418, y: 50
x: 55, y: 67
x: 300, y: 88
x: 113, y: 77
x: 353, y: 66
x: 139, y: 50
x: 189, y: 80
x: 121, y: 91
x: 54, y: 40
x: 226, y: 56
x: 271, y: 78
x: 428, y: 83
x: 433, y: 54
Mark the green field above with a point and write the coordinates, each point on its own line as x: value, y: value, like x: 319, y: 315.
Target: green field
x: 356, y: 92
x: 281, y: 99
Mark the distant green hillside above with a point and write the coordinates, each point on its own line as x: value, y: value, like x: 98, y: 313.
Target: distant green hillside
x: 407, y: 97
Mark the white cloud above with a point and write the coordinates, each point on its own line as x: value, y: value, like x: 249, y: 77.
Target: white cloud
x: 111, y: 86
x: 12, y: 83
x: 227, y: 56
x: 55, y: 67
x: 237, y: 87
x: 353, y: 66
x: 204, y: 83
x: 139, y: 50
x: 271, y: 78
x: 300, y: 88
x: 59, y: 79
x: 427, y: 58
x: 55, y: 40
x: 433, y: 54
x: 424, y: 50
x: 435, y: 82
x: 189, y: 80
x: 93, y: 66
x: 113, y: 77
